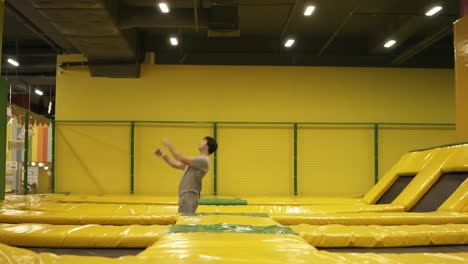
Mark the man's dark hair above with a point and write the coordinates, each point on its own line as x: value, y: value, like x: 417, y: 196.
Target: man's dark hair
x: 212, y: 145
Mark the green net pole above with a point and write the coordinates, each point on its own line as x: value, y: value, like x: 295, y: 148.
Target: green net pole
x: 215, y: 161
x: 53, y: 156
x: 3, y: 134
x: 132, y: 158
x: 295, y: 159
x: 376, y: 153
x: 26, y: 153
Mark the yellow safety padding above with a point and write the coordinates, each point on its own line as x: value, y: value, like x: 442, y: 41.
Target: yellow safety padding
x: 120, y: 199
x: 32, y: 198
x: 245, y: 248
x: 146, y: 199
x: 383, y: 236
x: 274, y: 210
x: 458, y: 161
x: 83, y: 217
x: 424, y: 180
x: 126, y: 214
x: 372, y: 218
x: 225, y: 219
x: 227, y: 249
x: 409, y: 258
x: 458, y: 200
x: 76, y: 236
x: 409, y: 164
x: 110, y: 209
x: 301, y: 200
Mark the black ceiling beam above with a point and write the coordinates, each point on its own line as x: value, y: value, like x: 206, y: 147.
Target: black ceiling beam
x: 272, y: 58
x: 292, y: 10
x: 195, y: 14
x: 395, y: 14
x: 150, y: 18
x: 338, y: 30
x: 38, y: 32
x: 422, y: 45
x: 28, y: 52
x: 7, y: 66
x: 45, y: 74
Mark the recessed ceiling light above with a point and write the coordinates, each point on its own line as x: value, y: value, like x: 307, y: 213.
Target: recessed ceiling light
x: 309, y: 10
x: 39, y: 92
x: 390, y: 43
x: 13, y: 62
x: 433, y: 11
x: 164, y: 7
x: 174, y: 41
x: 289, y: 43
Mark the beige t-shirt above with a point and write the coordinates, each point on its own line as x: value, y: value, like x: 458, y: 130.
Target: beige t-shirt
x: 193, y: 175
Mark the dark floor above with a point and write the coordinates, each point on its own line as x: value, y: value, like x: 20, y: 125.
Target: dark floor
x: 115, y: 253
x: 101, y: 252
x: 433, y: 249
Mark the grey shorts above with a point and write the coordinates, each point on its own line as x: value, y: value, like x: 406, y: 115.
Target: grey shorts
x: 188, y: 202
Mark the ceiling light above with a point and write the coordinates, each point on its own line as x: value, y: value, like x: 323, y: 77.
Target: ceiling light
x: 289, y: 43
x: 174, y: 41
x: 309, y: 10
x: 390, y: 43
x: 50, y: 108
x: 41, y: 164
x: 33, y: 163
x: 164, y: 7
x: 46, y: 168
x: 13, y: 62
x: 433, y: 10
x: 39, y: 92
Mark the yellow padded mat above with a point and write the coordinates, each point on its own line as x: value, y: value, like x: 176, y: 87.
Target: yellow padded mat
x: 383, y: 236
x: 73, y: 236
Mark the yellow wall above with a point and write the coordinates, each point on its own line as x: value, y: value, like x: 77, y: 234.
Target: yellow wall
x: 247, y: 93
x: 92, y: 159
x: 335, y: 160
x: 252, y: 160
x: 255, y: 160
x: 461, y: 69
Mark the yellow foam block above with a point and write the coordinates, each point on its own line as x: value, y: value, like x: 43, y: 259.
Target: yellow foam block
x: 424, y: 180
x: 120, y: 199
x: 225, y: 219
x: 458, y: 200
x: 459, y: 160
x: 240, y: 248
x: 410, y: 163
x: 83, y: 217
x: 432, y: 218
x: 383, y: 236
x: 402, y: 258
x: 274, y: 210
x: 111, y: 209
x: 32, y: 198
x: 87, y: 236
x: 229, y: 248
x: 298, y: 200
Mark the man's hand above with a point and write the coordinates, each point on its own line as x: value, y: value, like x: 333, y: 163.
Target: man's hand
x: 158, y: 152
x: 176, y: 154
x: 166, y: 142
